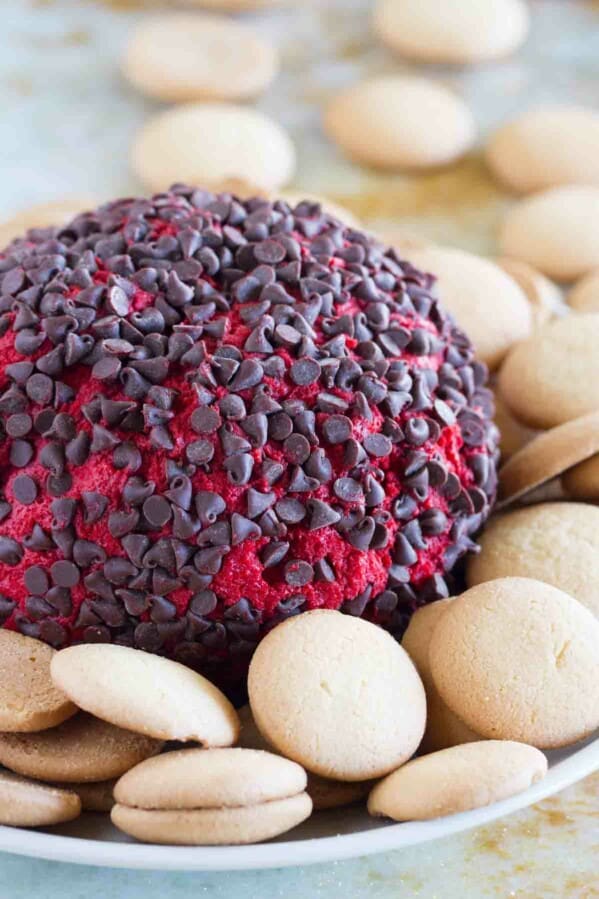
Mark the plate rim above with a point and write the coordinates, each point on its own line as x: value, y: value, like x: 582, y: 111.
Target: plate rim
x: 315, y: 850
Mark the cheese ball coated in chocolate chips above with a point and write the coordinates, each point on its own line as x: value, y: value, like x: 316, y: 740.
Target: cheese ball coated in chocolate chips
x: 217, y: 413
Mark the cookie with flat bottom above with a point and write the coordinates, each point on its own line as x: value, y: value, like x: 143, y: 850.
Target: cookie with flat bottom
x: 516, y: 659
x: 213, y: 826
x: 215, y: 795
x: 555, y: 231
x: 180, y: 57
x: 305, y: 680
x: 210, y: 144
x: 545, y: 147
x: 145, y: 693
x: 457, y: 779
x: 443, y: 728
x: 554, y: 542
x: 29, y: 701
x: 547, y: 456
x: 81, y: 749
x: 24, y: 803
x: 385, y: 122
x: 463, y: 33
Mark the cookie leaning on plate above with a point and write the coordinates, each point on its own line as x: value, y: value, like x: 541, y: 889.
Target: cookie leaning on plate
x: 24, y: 803
x: 79, y: 750
x: 338, y: 695
x: 29, y: 701
x: 211, y: 797
x: 517, y: 659
x: 443, y: 727
x: 557, y: 543
x: 145, y: 693
x: 457, y: 779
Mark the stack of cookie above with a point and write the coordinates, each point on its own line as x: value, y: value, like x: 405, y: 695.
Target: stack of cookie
x: 337, y: 711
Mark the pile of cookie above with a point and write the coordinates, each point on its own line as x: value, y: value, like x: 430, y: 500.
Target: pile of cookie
x: 337, y: 711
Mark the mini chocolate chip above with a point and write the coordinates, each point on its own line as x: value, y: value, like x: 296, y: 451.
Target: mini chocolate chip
x: 273, y: 553
x: 243, y: 529
x: 199, y: 452
x: 357, y: 605
x: 157, y: 511
x: 24, y: 489
x: 19, y: 424
x: 301, y: 483
x: 36, y: 580
x: 337, y: 429
x: 21, y: 453
x: 258, y: 502
x: 403, y: 551
x: 11, y: 552
x: 203, y: 603
x: 297, y: 448
x: 118, y: 570
x: 361, y: 535
x: 289, y: 510
x: 298, y: 573
x: 64, y: 573
x: 280, y: 426
x: 121, y: 522
x: 239, y: 468
x: 432, y: 522
x: 271, y: 471
x: 40, y: 389
x: 377, y: 445
x: 209, y: 506
x: 205, y: 420
x: 63, y: 512
x: 321, y: 514
x: 304, y: 371
x: 349, y: 490
x: 87, y: 553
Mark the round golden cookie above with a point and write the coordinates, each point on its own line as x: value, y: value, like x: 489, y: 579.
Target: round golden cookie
x: 210, y: 144
x: 81, y: 749
x: 485, y: 301
x: 545, y: 147
x: 555, y: 231
x: 516, y: 659
x: 211, y: 796
x: 44, y: 215
x: 145, y: 693
x: 213, y: 826
x: 179, y: 57
x: 457, y: 779
x: 338, y: 695
x: 584, y: 296
x: 210, y: 778
x: 386, y: 122
x: 557, y: 543
x: 544, y: 296
x: 547, y: 456
x: 443, y: 728
x: 461, y: 33
x: 24, y: 803
x: 582, y: 481
x: 551, y: 378
x: 512, y: 433
x: 324, y: 792
x: 29, y: 701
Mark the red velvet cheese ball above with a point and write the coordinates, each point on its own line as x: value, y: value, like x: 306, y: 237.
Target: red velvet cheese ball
x: 217, y: 413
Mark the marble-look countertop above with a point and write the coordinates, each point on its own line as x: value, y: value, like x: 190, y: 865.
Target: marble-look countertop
x: 66, y: 125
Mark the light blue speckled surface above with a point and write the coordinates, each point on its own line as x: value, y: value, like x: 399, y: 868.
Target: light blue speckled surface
x: 66, y: 124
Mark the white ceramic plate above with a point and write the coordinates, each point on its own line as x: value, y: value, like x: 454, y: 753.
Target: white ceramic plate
x: 328, y: 836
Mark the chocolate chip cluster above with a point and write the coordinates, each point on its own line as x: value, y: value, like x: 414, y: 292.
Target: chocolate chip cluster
x: 216, y: 413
